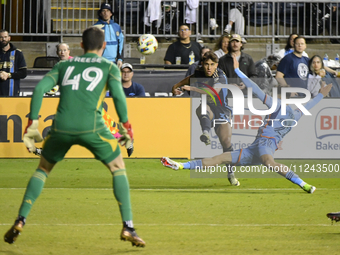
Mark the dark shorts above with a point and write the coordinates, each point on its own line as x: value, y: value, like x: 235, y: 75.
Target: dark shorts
x: 102, y: 144
x: 221, y: 112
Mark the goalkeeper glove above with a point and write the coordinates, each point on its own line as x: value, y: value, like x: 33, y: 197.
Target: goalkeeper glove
x: 125, y: 130
x: 32, y: 133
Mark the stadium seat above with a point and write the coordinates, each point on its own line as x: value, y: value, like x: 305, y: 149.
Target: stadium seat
x: 260, y: 13
x: 45, y: 62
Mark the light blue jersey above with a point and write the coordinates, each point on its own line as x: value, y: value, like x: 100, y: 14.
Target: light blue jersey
x: 273, y: 131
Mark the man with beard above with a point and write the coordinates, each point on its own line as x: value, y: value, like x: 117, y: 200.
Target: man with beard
x: 114, y: 37
x: 12, y: 66
x: 246, y: 62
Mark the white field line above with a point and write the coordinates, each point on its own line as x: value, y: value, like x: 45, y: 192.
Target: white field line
x: 187, y: 224
x: 169, y: 189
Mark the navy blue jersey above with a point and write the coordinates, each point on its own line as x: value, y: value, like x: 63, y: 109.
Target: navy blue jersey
x: 218, y: 77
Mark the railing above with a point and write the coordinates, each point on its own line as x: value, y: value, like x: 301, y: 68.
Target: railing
x: 263, y: 19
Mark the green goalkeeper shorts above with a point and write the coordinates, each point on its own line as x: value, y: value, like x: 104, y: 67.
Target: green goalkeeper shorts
x: 102, y: 144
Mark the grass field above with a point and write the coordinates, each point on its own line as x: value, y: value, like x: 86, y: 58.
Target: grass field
x: 175, y: 214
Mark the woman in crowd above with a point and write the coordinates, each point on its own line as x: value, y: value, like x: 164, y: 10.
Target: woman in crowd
x: 289, y: 48
x: 319, y: 77
x: 221, y: 46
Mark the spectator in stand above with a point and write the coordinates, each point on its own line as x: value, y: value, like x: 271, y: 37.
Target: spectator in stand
x: 182, y: 47
x: 318, y: 77
x: 131, y: 88
x: 221, y: 46
x: 63, y: 51
x: 293, y: 68
x: 12, y: 66
x: 289, y: 48
x: 235, y: 16
x: 246, y: 62
x: 197, y: 64
x: 114, y: 37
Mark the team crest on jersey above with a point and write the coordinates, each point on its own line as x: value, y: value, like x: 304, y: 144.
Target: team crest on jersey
x: 302, y: 71
x: 6, y: 64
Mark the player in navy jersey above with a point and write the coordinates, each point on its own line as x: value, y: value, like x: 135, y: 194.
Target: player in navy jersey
x: 261, y: 151
x: 203, y: 81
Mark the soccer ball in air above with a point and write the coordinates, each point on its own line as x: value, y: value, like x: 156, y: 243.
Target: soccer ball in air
x: 147, y: 44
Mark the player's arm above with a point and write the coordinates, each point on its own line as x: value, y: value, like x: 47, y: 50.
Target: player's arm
x: 311, y: 103
x: 119, y: 100
x: 45, y: 85
x: 32, y: 134
x: 185, y: 81
x: 248, y: 82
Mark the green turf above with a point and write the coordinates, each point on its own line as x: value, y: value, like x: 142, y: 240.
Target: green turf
x: 173, y: 213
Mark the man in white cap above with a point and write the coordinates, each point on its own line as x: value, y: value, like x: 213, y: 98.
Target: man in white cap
x: 131, y: 88
x: 114, y: 37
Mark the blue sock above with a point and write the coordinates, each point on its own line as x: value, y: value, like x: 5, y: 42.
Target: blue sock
x: 192, y: 164
x: 294, y: 178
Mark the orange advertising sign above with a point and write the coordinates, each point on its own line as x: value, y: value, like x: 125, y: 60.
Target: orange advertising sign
x: 161, y: 126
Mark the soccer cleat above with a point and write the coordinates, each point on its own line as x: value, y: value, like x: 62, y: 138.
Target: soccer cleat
x: 13, y: 233
x: 205, y: 138
x: 130, y: 149
x: 129, y: 234
x: 233, y: 181
x: 309, y: 188
x: 172, y: 164
x: 334, y: 216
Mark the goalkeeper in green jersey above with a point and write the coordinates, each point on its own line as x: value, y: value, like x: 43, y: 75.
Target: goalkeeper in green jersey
x: 83, y: 82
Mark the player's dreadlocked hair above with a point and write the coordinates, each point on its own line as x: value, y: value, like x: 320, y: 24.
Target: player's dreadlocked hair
x: 93, y: 38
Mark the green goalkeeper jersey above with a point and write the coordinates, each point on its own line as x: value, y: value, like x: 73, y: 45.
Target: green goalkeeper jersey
x: 83, y: 82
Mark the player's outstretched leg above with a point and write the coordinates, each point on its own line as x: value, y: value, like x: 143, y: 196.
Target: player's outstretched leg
x: 284, y: 170
x: 334, y: 216
x: 194, y: 164
x: 167, y: 162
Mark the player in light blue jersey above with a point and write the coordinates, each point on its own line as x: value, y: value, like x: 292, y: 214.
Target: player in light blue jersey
x: 261, y: 151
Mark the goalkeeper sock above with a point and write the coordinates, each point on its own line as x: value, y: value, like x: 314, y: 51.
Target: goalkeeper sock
x: 294, y: 178
x: 33, y: 190
x: 205, y: 123
x: 121, y: 192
